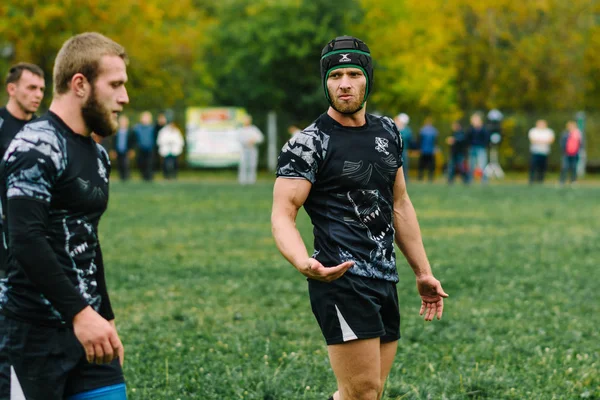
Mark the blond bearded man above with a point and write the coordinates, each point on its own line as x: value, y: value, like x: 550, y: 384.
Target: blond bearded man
x: 62, y: 340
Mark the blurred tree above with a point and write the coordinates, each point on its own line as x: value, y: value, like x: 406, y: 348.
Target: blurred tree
x: 264, y: 55
x: 411, y: 43
x: 442, y: 57
x: 522, y: 55
x: 164, y: 39
x: 591, y: 61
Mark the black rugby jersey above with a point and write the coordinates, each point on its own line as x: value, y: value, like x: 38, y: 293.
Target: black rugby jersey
x: 9, y: 126
x: 54, y: 184
x: 352, y: 171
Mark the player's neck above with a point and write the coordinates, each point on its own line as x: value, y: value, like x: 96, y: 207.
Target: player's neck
x: 351, y: 120
x: 17, y: 111
x: 69, y: 110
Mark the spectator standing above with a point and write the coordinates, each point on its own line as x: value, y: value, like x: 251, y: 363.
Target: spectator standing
x: 123, y: 144
x: 479, y: 139
x: 458, y: 153
x: 145, y: 139
x: 540, y: 139
x: 570, y: 144
x: 249, y: 136
x: 402, y: 121
x: 170, y: 146
x: 427, y: 138
x: 161, y: 122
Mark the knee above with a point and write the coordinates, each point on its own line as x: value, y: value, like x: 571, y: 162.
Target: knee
x: 363, y: 390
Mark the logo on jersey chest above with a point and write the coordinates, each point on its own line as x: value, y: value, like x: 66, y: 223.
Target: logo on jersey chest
x: 381, y: 145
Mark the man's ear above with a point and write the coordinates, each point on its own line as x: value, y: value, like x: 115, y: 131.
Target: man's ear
x: 80, y: 85
x: 11, y: 88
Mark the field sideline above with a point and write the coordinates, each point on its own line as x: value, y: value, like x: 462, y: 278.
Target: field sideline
x: 208, y: 309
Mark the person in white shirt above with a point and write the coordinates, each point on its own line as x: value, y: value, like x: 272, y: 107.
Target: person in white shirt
x: 249, y: 136
x: 170, y: 146
x: 540, y: 137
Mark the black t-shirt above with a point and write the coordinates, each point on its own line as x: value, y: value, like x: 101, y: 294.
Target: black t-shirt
x: 9, y: 126
x: 64, y: 177
x: 352, y: 171
x: 461, y: 144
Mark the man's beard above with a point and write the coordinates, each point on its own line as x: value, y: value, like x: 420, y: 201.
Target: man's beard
x: 97, y: 118
x: 351, y: 107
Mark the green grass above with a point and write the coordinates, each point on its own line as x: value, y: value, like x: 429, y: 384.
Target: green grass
x: 208, y: 309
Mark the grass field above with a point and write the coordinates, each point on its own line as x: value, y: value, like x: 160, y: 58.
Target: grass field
x: 208, y: 309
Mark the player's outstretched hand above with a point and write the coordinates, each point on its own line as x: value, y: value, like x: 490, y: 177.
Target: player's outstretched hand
x: 315, y: 270
x: 432, y: 297
x: 98, y: 337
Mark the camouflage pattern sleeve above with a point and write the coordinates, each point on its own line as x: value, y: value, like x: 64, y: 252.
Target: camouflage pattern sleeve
x: 301, y: 156
x: 391, y: 127
x: 34, y: 160
x: 104, y: 166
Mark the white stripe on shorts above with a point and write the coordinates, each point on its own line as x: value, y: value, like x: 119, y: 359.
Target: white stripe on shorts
x: 16, y: 393
x: 347, y: 332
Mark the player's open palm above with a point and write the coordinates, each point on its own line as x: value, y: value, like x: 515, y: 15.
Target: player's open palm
x: 316, y: 270
x: 98, y: 337
x: 432, y: 297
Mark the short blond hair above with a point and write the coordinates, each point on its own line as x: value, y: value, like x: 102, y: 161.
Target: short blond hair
x: 82, y: 54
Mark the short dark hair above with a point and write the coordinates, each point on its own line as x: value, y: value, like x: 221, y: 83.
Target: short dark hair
x: 15, y: 72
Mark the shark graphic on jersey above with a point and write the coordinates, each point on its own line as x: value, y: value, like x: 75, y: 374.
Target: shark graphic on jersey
x: 373, y: 213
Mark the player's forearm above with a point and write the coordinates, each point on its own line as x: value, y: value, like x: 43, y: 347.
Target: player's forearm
x: 105, y: 307
x: 408, y: 237
x: 288, y: 239
x: 29, y: 246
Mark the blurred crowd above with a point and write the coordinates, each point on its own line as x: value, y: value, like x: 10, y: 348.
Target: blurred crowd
x: 149, y: 143
x: 158, y: 143
x: 472, y: 150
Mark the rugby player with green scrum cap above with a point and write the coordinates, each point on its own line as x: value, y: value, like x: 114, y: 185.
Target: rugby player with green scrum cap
x: 345, y: 169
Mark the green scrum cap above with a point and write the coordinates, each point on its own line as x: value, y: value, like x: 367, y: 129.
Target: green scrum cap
x: 344, y: 52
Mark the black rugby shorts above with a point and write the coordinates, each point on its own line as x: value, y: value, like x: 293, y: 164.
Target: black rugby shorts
x: 353, y: 307
x: 50, y: 363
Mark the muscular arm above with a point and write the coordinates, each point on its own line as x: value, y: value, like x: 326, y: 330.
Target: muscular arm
x: 409, y: 240
x: 27, y: 220
x: 288, y: 196
x: 408, y: 233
